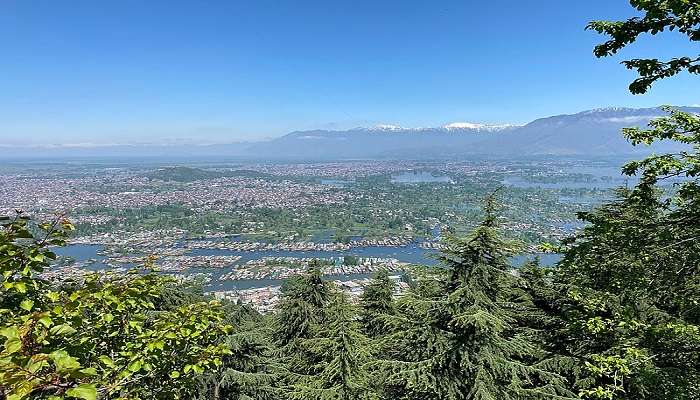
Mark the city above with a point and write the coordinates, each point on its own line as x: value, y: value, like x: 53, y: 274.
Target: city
x: 222, y: 223
x: 350, y: 200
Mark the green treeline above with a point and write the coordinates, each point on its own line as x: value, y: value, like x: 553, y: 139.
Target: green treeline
x: 617, y: 318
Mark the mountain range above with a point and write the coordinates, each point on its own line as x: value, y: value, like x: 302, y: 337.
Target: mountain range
x: 588, y: 133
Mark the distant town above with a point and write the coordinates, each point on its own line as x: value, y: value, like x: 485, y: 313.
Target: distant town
x: 239, y: 229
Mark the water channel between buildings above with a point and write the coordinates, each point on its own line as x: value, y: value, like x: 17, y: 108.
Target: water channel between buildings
x: 412, y: 254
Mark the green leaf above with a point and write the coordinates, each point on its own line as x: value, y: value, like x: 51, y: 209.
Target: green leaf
x: 53, y: 296
x: 21, y: 390
x: 107, y: 361
x: 26, y: 304
x: 88, y: 371
x: 62, y: 330
x: 64, y: 362
x: 21, y: 287
x: 13, y: 345
x: 83, y: 391
x: 10, y: 332
x: 135, y: 366
x: 174, y: 374
x: 46, y: 321
x: 36, y: 363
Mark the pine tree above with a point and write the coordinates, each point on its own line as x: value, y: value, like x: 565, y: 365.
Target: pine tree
x: 377, y: 301
x: 341, y: 353
x: 248, y: 372
x: 479, y: 347
x: 303, y: 300
x: 550, y: 313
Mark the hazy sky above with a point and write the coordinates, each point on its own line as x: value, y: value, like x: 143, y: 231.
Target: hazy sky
x: 223, y: 71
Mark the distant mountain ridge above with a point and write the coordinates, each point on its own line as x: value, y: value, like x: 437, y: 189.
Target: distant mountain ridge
x: 455, y: 127
x: 588, y: 133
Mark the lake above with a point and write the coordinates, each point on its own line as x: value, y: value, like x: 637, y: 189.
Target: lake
x: 596, y: 183
x: 412, y: 254
x: 419, y: 177
x: 339, y: 183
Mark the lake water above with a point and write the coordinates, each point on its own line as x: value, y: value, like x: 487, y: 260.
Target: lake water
x: 602, y: 176
x: 410, y: 254
x: 86, y: 254
x: 80, y: 252
x: 568, y: 184
x: 419, y: 177
x: 339, y: 183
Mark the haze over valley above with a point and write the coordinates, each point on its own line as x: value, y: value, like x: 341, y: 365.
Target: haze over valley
x: 350, y: 200
x: 588, y: 133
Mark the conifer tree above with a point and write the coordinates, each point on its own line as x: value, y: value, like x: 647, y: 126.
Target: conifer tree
x: 341, y: 352
x: 247, y: 373
x: 377, y: 301
x: 550, y: 313
x: 634, y: 271
x: 303, y: 300
x: 480, y: 347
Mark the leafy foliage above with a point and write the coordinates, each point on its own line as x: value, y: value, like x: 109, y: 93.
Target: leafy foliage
x: 632, y: 274
x: 682, y: 16
x: 617, y: 318
x: 99, y: 336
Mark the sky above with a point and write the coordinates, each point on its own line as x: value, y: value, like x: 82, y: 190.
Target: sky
x: 104, y: 72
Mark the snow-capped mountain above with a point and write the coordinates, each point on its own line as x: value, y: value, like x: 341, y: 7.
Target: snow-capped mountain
x: 588, y: 133
x: 456, y: 127
x: 469, y: 126
x: 592, y: 132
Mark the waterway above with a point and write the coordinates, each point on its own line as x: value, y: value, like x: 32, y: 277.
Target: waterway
x: 90, y: 256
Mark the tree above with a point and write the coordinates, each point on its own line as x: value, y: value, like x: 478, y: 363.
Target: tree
x: 479, y: 345
x: 376, y: 301
x: 303, y: 300
x: 97, y: 335
x: 633, y: 272
x: 550, y: 314
x: 248, y: 372
x: 682, y: 16
x: 340, y: 352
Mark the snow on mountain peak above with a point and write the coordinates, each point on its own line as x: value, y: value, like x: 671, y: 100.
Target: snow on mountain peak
x: 608, y: 110
x: 477, y: 127
x: 388, y: 127
x: 453, y: 127
x: 464, y: 125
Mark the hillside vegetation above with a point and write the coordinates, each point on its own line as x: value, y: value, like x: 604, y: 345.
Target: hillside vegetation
x: 617, y: 318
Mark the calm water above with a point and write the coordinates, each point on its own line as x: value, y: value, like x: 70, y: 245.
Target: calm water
x: 80, y: 252
x: 410, y: 254
x: 564, y: 184
x: 339, y: 183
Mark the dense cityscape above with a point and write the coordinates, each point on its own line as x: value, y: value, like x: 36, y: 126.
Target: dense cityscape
x: 234, y: 223
x: 393, y: 200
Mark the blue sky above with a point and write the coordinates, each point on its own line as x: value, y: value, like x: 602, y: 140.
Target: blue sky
x: 223, y: 71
